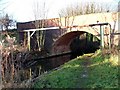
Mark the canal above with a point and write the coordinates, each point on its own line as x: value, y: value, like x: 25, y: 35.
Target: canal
x: 38, y: 66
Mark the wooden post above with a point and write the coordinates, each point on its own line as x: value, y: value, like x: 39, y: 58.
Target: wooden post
x: 29, y: 40
x: 102, y: 37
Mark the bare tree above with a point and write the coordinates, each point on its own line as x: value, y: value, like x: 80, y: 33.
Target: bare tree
x: 2, y: 7
x: 6, y: 22
x: 81, y: 9
x: 40, y: 11
x: 71, y: 10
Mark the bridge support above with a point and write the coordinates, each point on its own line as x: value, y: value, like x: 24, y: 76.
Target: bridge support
x: 102, y: 33
x: 29, y: 40
x: 102, y: 36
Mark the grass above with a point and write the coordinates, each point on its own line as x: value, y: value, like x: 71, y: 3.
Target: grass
x: 100, y: 73
x: 103, y: 73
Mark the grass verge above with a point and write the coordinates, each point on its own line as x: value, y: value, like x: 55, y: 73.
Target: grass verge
x: 87, y: 71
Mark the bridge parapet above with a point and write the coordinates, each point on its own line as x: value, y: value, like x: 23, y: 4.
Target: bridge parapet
x: 88, y: 19
x: 84, y: 20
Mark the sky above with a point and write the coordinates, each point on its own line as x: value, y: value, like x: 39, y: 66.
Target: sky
x: 23, y: 10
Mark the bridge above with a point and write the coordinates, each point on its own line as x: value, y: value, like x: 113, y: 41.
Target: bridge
x: 102, y: 25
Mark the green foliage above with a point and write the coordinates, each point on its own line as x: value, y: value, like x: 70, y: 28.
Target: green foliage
x: 62, y: 78
x: 101, y: 74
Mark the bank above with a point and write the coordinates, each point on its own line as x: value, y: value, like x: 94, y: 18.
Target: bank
x: 95, y: 70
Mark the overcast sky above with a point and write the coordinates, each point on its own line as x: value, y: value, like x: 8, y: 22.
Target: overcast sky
x: 22, y: 10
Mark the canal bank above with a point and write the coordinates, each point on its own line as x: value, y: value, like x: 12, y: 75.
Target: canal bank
x: 87, y: 71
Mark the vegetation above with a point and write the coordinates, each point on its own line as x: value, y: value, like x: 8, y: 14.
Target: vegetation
x: 15, y: 60
x: 7, y: 23
x: 97, y: 70
x: 84, y: 8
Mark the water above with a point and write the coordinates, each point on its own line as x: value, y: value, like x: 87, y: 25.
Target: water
x: 40, y: 66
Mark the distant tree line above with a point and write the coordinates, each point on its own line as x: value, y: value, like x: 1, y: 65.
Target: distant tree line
x: 86, y: 8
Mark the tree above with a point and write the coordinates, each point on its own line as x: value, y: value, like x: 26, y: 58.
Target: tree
x: 40, y: 12
x: 81, y: 9
x: 6, y: 22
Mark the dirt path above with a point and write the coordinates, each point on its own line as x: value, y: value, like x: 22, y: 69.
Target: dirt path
x: 86, y: 62
x: 84, y: 76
